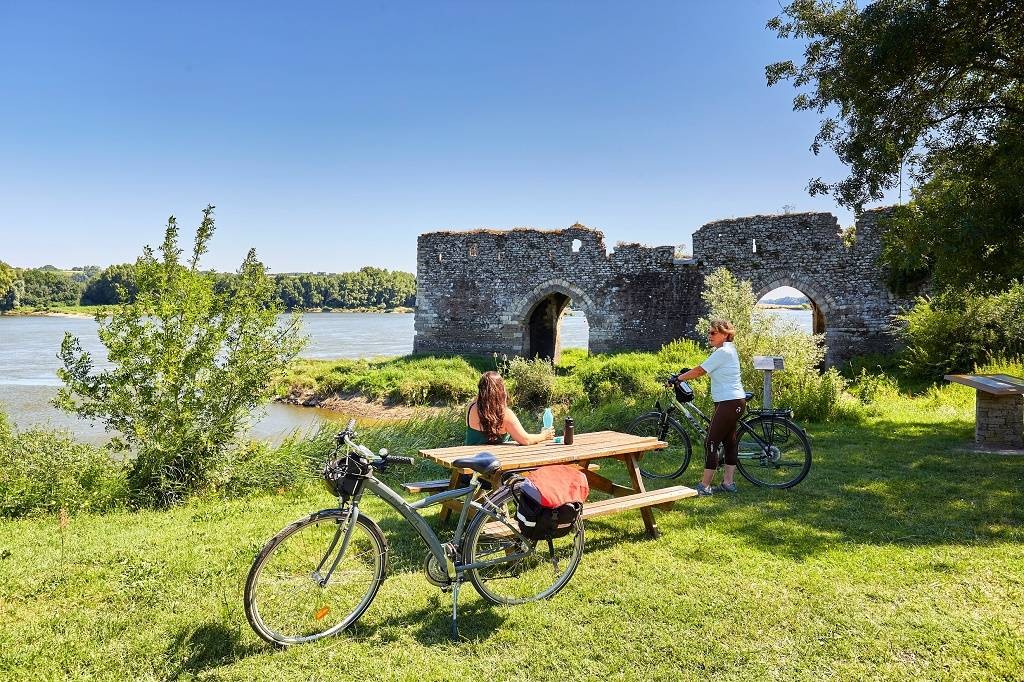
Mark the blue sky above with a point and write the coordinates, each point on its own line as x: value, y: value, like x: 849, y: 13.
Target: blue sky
x: 330, y: 134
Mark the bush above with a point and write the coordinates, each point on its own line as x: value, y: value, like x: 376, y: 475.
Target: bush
x: 191, y: 363
x: 956, y: 332
x: 44, y: 471
x: 811, y: 394
x: 531, y: 382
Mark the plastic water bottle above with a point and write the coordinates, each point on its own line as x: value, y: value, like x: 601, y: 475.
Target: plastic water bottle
x: 549, y: 418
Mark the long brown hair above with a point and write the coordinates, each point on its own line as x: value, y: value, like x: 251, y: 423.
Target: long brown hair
x: 491, y: 399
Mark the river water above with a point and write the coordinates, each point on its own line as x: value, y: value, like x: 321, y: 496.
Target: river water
x: 29, y: 346
x: 29, y: 362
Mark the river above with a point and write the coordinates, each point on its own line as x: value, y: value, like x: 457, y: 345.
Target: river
x: 29, y: 345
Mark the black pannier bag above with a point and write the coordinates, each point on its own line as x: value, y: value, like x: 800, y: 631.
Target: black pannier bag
x: 345, y: 476
x: 548, y: 506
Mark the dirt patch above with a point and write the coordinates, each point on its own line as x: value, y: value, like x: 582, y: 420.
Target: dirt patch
x: 358, y: 406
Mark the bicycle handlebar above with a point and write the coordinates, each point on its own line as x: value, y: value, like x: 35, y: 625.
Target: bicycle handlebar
x: 369, y: 454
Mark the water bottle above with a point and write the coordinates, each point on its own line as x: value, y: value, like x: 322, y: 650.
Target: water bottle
x: 549, y: 418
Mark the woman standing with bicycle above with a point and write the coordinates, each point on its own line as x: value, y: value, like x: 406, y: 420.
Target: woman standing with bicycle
x: 723, y: 366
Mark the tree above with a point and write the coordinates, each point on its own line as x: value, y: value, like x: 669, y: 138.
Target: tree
x: 10, y: 287
x: 190, y: 365
x: 47, y: 286
x: 116, y: 284
x: 934, y: 89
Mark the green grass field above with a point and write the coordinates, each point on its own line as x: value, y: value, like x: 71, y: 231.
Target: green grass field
x: 900, y: 557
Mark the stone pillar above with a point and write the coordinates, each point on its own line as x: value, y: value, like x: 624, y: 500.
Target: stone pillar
x: 999, y: 420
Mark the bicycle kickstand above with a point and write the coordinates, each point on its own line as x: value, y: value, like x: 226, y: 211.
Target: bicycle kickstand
x: 455, y: 607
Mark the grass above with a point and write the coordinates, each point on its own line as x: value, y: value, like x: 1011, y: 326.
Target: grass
x: 899, y: 557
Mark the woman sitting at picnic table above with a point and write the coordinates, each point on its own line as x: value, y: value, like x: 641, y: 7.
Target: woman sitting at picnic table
x: 489, y: 419
x: 723, y: 366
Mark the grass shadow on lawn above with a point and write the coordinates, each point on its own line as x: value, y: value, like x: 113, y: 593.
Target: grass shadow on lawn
x: 209, y: 645
x: 883, y: 483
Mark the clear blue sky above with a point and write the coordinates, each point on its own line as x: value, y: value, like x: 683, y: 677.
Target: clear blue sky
x: 330, y: 134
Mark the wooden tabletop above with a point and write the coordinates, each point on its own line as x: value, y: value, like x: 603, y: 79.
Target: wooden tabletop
x: 586, y: 446
x: 996, y: 384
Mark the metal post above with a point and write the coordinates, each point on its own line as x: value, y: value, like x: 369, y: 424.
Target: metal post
x: 766, y: 400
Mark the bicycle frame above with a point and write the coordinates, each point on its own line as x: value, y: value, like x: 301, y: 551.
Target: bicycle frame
x: 410, y: 512
x: 695, y: 416
x: 688, y: 411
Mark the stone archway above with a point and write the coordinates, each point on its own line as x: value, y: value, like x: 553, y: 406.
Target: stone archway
x: 823, y: 306
x: 536, y: 320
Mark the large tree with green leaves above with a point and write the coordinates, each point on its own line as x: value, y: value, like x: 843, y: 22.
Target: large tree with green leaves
x: 191, y: 362
x: 933, y: 89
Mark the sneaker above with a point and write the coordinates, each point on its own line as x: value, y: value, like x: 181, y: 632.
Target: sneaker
x: 724, y: 488
x: 703, y: 491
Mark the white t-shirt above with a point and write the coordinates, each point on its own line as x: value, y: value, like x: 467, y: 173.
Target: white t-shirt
x: 723, y: 366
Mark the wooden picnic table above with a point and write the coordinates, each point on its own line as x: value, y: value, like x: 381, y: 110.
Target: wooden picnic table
x: 586, y: 448
x: 999, y: 409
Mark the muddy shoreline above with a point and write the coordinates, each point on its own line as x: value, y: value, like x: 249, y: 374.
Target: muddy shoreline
x: 358, y: 406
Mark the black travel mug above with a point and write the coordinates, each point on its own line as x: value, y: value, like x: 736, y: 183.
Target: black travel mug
x: 567, y: 431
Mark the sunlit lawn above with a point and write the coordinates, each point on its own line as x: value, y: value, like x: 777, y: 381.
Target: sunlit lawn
x: 900, y: 557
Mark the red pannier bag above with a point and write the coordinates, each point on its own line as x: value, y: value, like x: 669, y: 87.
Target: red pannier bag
x: 559, y: 484
x: 550, y: 501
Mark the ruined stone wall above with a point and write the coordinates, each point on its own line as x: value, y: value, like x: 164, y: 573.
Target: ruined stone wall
x: 806, y: 251
x: 479, y: 291
x: 476, y: 290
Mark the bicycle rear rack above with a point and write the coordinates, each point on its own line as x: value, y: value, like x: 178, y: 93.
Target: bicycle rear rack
x: 772, y: 412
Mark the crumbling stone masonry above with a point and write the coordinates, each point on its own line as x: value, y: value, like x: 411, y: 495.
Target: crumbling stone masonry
x: 999, y: 420
x: 504, y: 291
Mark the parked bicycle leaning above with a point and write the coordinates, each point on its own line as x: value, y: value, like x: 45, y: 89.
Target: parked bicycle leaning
x: 723, y: 367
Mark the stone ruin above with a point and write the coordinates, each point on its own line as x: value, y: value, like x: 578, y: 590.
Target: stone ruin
x: 505, y: 291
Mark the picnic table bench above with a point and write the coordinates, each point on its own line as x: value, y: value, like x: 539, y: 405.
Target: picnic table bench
x: 586, y: 448
x: 999, y: 408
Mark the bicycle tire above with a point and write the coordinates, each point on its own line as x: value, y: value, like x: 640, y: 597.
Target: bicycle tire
x: 785, y: 458
x: 522, y: 580
x: 667, y: 463
x: 285, y: 604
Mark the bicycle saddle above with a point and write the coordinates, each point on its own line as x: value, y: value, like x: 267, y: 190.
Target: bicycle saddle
x: 482, y: 462
x: 748, y: 396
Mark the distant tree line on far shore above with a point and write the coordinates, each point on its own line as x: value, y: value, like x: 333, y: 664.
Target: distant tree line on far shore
x: 49, y: 286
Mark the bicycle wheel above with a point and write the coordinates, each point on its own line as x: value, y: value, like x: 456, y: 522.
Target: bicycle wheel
x: 540, y: 574
x: 668, y: 462
x: 299, y: 589
x: 773, y: 452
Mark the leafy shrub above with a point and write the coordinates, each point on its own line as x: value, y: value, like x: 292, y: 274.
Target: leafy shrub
x: 531, y: 382
x: 190, y: 365
x: 956, y: 332
x: 44, y: 471
x: 802, y: 386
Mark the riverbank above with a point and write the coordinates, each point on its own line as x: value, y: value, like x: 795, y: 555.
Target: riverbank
x: 783, y: 306
x: 78, y: 311
x: 89, y: 311
x: 358, y: 406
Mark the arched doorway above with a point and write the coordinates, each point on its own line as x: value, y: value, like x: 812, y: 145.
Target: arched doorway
x: 542, y: 327
x: 551, y: 316
x: 798, y: 302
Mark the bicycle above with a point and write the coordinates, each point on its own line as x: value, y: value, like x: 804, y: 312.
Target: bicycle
x: 774, y: 451
x: 320, y: 574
